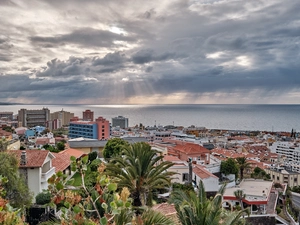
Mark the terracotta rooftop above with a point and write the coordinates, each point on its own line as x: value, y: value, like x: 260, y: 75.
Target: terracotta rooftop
x: 171, y: 158
x: 189, y: 148
x: 73, y: 152
x: 201, y: 172
x: 61, y: 161
x: 34, y: 158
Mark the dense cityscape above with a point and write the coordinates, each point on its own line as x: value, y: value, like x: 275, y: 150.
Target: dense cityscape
x: 262, y: 165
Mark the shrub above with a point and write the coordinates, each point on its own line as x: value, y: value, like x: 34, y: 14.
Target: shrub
x: 93, y: 156
x: 43, y: 198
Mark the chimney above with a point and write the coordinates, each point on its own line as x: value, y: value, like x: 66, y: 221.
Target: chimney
x: 23, y: 158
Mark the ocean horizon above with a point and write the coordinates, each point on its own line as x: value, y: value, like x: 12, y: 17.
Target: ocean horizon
x: 264, y: 117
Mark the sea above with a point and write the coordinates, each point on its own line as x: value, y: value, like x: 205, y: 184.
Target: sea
x: 221, y: 116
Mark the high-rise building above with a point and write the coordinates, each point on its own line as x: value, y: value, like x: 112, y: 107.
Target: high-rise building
x: 99, y: 129
x: 120, y: 121
x: 32, y: 118
x: 88, y: 115
x: 63, y: 116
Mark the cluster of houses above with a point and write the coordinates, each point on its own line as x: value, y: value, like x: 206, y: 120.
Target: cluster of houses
x: 196, y: 152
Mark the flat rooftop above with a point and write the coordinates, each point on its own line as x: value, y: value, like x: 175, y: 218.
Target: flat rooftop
x: 254, y: 189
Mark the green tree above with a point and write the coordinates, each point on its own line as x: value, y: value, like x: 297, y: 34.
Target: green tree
x: 242, y: 165
x: 229, y: 166
x: 17, y: 191
x: 92, y: 156
x: 141, y: 170
x: 240, y: 195
x: 60, y: 146
x: 113, y: 147
x: 195, y: 208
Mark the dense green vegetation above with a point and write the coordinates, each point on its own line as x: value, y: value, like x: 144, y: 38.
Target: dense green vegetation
x: 16, y: 190
x: 114, y: 147
x: 229, y: 166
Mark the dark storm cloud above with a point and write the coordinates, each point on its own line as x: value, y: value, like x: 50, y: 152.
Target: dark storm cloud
x: 148, y: 55
x: 161, y: 48
x: 73, y: 66
x: 87, y: 37
x: 110, y: 59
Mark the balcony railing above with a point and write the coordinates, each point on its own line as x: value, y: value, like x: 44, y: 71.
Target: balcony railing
x: 47, y: 175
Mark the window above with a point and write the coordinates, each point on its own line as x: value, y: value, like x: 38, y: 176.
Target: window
x: 102, y: 126
x: 185, y: 177
x: 277, y: 177
x: 295, y: 179
x: 273, y: 176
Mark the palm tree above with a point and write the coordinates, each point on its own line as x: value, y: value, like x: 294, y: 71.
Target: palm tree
x: 240, y: 195
x: 242, y: 164
x: 195, y: 208
x: 141, y: 170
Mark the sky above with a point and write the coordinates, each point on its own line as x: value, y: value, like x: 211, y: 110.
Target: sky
x: 150, y: 52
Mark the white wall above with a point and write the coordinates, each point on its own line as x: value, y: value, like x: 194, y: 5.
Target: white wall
x: 210, y: 184
x: 180, y: 170
x: 34, y: 180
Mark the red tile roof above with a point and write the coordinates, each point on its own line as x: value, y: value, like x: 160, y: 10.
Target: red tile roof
x: 61, y: 161
x: 73, y: 152
x: 189, y: 148
x: 171, y: 158
x: 34, y: 158
x: 201, y: 172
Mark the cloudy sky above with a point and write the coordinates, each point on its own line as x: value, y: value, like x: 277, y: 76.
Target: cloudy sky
x: 154, y: 51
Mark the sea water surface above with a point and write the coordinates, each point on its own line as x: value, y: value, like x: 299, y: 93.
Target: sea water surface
x: 231, y: 117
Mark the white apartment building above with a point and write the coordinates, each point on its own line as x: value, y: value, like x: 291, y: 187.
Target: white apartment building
x: 289, y: 150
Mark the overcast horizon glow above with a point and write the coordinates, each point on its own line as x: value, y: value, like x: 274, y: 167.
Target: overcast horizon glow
x: 150, y: 52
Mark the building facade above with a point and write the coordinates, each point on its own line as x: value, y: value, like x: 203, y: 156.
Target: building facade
x: 120, y: 121
x: 88, y: 115
x: 289, y: 150
x: 32, y: 118
x: 8, y: 115
x: 99, y: 129
x: 63, y: 116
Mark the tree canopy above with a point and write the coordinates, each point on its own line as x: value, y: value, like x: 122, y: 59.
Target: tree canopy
x: 242, y: 165
x: 16, y: 189
x: 229, y: 166
x: 141, y: 170
x: 114, y: 147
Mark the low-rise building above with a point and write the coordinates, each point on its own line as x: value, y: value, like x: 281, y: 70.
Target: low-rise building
x: 210, y: 181
x: 257, y: 192
x: 283, y: 176
x: 87, y: 146
x: 36, y: 166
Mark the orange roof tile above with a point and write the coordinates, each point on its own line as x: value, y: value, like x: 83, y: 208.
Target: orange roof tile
x: 34, y: 158
x: 73, y: 152
x: 171, y: 158
x: 61, y: 161
x: 201, y: 172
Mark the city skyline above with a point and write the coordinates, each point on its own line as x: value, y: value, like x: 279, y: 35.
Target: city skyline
x: 154, y: 52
